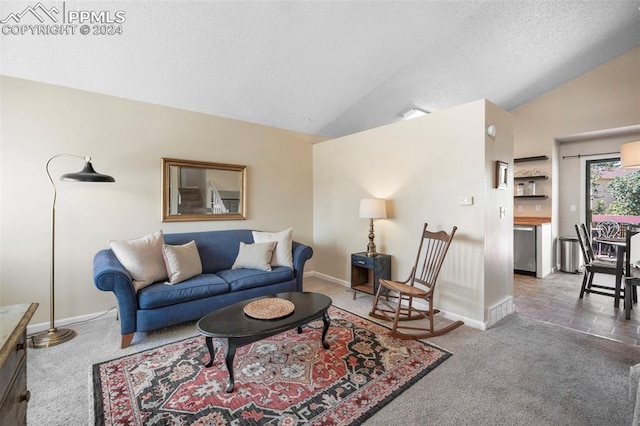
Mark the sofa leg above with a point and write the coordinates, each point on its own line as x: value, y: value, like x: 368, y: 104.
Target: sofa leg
x: 126, y: 340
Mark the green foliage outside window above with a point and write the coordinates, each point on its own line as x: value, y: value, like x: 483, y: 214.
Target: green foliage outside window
x: 625, y: 191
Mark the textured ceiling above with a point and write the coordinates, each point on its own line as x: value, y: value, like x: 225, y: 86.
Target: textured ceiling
x: 326, y: 67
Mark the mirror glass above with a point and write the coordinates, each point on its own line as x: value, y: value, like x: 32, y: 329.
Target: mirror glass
x: 195, y: 190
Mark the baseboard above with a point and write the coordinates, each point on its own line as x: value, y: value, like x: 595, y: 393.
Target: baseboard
x: 37, y: 328
x: 447, y: 315
x: 328, y: 278
x: 500, y: 310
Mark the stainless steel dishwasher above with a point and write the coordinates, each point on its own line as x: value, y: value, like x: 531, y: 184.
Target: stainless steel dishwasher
x: 524, y: 249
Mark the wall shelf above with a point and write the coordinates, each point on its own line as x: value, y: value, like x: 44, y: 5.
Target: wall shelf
x: 529, y: 178
x: 539, y: 197
x: 537, y: 177
x: 525, y: 159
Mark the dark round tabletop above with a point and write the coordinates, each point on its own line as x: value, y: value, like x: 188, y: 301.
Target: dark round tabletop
x: 231, y: 321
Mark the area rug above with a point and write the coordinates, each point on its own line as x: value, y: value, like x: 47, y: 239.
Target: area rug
x: 287, y: 379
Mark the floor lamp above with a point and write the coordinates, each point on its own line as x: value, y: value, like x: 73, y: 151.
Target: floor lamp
x: 55, y: 336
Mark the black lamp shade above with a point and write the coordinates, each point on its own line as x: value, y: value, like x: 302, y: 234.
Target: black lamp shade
x: 87, y: 174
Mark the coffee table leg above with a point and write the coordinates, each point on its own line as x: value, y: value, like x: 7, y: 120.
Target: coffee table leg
x: 326, y: 321
x: 300, y: 330
x: 209, y: 341
x: 229, y: 354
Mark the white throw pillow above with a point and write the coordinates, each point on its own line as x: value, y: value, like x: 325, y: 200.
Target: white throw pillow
x: 254, y: 256
x: 182, y: 262
x: 142, y: 258
x: 282, y: 254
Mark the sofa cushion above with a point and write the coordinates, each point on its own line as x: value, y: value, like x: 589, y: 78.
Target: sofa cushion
x: 198, y: 287
x: 282, y: 255
x: 254, y: 256
x: 241, y: 279
x: 183, y: 261
x: 142, y: 257
x: 218, y: 249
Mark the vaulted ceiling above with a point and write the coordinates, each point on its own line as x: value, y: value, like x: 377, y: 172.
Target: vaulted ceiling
x: 325, y: 67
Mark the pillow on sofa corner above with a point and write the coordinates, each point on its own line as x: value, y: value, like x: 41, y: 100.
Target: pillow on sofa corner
x: 182, y: 262
x: 254, y: 256
x: 143, y: 258
x: 282, y: 254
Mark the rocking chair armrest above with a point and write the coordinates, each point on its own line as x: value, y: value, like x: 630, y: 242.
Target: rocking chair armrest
x: 406, y: 282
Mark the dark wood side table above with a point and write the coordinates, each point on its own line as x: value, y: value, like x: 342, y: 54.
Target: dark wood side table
x: 367, y: 271
x: 14, y: 395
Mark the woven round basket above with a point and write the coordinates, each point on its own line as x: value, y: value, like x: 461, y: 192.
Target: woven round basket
x: 269, y: 308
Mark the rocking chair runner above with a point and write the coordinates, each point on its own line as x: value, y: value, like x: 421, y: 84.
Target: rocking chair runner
x: 420, y: 285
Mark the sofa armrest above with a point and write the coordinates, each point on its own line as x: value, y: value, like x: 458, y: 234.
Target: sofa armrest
x: 301, y: 253
x: 110, y: 275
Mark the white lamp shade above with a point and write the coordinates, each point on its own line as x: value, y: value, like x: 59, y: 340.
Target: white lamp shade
x: 373, y: 208
x: 630, y: 155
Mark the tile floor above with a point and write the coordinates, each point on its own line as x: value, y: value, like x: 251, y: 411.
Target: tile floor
x: 554, y: 299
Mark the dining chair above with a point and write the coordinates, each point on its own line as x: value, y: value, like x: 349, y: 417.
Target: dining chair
x: 593, y: 265
x: 607, y: 229
x: 405, y: 301
x: 632, y: 272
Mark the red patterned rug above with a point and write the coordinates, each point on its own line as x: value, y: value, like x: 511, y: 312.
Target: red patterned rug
x: 287, y: 379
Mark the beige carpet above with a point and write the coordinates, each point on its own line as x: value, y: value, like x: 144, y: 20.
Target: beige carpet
x: 520, y: 372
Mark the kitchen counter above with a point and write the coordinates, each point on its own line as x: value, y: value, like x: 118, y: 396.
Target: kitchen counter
x: 531, y: 221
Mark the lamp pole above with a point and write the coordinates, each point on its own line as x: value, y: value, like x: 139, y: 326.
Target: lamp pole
x: 54, y: 336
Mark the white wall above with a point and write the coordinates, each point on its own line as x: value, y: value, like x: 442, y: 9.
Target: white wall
x: 127, y: 140
x: 422, y: 167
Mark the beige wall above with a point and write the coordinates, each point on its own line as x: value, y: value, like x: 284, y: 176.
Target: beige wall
x: 126, y: 139
x: 605, y: 98
x: 422, y: 167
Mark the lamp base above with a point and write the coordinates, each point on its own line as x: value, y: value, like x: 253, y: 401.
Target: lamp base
x: 371, y: 250
x: 52, y: 337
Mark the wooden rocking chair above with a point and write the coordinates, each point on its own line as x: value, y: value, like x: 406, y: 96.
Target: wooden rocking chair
x: 394, y: 301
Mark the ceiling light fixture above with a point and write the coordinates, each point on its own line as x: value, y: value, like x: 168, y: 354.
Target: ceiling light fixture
x: 413, y: 113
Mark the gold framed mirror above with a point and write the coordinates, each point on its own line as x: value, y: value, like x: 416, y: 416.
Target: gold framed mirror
x: 196, y: 190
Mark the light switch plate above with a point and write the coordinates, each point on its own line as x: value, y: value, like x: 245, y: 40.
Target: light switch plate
x: 466, y: 201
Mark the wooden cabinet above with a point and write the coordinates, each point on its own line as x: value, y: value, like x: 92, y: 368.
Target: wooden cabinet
x: 366, y: 271
x: 14, y: 395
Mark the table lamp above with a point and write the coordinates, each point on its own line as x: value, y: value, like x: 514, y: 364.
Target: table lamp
x: 372, y: 208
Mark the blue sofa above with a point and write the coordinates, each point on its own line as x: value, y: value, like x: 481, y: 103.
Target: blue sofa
x: 159, y: 305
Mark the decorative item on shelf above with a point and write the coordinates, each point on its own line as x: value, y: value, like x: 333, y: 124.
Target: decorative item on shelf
x: 372, y: 208
x: 531, y: 187
x: 54, y: 336
x: 630, y: 155
x: 520, y: 189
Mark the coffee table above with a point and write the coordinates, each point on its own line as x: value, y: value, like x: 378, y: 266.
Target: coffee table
x: 235, y: 328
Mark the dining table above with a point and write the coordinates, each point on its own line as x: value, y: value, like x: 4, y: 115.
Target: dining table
x: 620, y: 243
